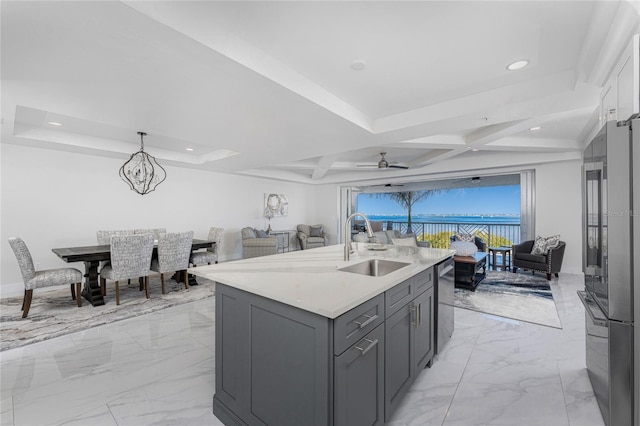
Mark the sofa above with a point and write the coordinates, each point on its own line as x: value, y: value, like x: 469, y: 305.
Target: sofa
x: 311, y: 236
x: 549, y: 262
x: 393, y: 237
x: 257, y: 243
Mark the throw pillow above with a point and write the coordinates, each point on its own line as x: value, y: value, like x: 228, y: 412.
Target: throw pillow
x: 552, y: 242
x: 543, y: 245
x: 465, y: 237
x: 248, y: 233
x: 463, y: 248
x: 261, y: 234
x: 407, y: 242
x: 316, y: 231
x: 539, y: 245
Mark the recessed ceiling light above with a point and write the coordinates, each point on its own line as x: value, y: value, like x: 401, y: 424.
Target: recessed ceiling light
x: 534, y: 128
x: 518, y: 65
x: 475, y: 150
x: 54, y: 123
x: 189, y: 149
x: 358, y: 65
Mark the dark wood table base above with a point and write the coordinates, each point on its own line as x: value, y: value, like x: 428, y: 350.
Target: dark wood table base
x: 91, y: 290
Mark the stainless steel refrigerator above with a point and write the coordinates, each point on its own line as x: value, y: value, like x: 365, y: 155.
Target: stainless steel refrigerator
x: 611, y: 265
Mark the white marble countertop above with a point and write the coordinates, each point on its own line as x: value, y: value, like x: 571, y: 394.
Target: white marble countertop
x: 310, y: 279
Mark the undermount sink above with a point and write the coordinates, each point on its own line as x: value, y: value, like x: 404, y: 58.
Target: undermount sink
x: 374, y: 267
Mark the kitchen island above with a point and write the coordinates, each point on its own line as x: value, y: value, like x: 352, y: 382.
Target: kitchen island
x: 301, y: 342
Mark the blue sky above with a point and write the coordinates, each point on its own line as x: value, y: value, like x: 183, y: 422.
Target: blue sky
x: 482, y: 200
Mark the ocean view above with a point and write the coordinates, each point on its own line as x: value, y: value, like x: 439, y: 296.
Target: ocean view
x: 451, y: 218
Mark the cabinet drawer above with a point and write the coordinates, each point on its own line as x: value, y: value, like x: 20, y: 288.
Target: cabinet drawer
x: 352, y: 326
x: 398, y: 296
x: 423, y: 281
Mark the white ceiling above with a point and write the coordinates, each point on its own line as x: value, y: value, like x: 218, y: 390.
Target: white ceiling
x: 267, y: 89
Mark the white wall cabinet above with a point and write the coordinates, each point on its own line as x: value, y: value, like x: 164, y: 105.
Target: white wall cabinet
x: 621, y: 95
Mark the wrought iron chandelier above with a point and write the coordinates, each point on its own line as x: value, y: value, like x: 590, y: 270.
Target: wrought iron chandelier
x: 142, y: 172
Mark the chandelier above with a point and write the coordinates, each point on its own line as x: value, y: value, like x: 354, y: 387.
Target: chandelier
x: 142, y: 172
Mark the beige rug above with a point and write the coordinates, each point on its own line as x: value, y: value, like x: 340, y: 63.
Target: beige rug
x: 54, y: 314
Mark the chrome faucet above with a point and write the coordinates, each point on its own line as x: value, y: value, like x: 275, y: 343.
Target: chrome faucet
x: 347, y: 233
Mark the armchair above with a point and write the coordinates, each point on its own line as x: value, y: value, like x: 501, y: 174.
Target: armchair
x: 311, y: 236
x: 550, y: 262
x: 255, y: 246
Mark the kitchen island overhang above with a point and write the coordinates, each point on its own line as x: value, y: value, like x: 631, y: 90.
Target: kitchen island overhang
x: 311, y: 280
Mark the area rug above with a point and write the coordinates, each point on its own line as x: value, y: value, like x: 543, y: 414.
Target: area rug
x: 520, y: 296
x: 53, y: 313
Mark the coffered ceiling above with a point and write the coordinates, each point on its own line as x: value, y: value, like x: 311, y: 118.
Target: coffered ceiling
x: 310, y: 91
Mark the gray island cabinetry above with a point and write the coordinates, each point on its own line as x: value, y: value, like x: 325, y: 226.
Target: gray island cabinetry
x: 279, y: 364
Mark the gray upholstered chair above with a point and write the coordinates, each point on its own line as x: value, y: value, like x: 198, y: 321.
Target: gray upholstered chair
x: 549, y: 262
x: 130, y: 258
x: 46, y: 278
x: 104, y: 239
x: 104, y: 236
x: 210, y: 255
x: 155, y: 231
x: 311, y: 236
x: 174, y: 249
x: 255, y: 246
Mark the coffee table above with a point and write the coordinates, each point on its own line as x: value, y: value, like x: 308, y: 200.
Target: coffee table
x: 470, y: 270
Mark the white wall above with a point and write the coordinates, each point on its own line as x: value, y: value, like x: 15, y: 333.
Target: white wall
x: 59, y: 199
x: 559, y: 208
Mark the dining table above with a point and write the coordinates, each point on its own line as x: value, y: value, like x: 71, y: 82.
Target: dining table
x: 93, y: 255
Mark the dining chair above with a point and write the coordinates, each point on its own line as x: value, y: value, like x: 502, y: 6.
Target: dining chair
x: 210, y: 255
x: 130, y: 258
x: 46, y: 278
x: 104, y: 239
x: 155, y: 231
x: 173, y: 255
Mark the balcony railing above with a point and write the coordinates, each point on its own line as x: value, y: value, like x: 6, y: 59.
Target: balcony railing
x: 439, y: 234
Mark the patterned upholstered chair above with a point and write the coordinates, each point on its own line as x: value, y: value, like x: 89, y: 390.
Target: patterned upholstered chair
x: 46, y: 278
x: 311, y: 236
x: 104, y: 239
x: 104, y: 236
x: 254, y: 246
x: 174, y: 250
x: 130, y: 258
x: 155, y: 231
x: 210, y: 255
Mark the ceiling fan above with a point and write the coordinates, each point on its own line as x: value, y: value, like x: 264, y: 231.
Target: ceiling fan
x: 384, y: 164
x: 473, y: 180
x: 389, y: 185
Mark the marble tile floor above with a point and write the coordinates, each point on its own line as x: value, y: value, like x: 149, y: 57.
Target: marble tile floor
x: 159, y: 369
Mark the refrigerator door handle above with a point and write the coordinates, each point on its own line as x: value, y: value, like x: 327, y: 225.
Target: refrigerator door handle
x: 590, y: 306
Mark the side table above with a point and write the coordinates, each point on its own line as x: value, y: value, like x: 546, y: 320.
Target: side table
x: 505, y: 253
x: 284, y: 243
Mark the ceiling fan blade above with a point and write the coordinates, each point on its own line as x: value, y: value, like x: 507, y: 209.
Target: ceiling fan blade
x: 398, y: 166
